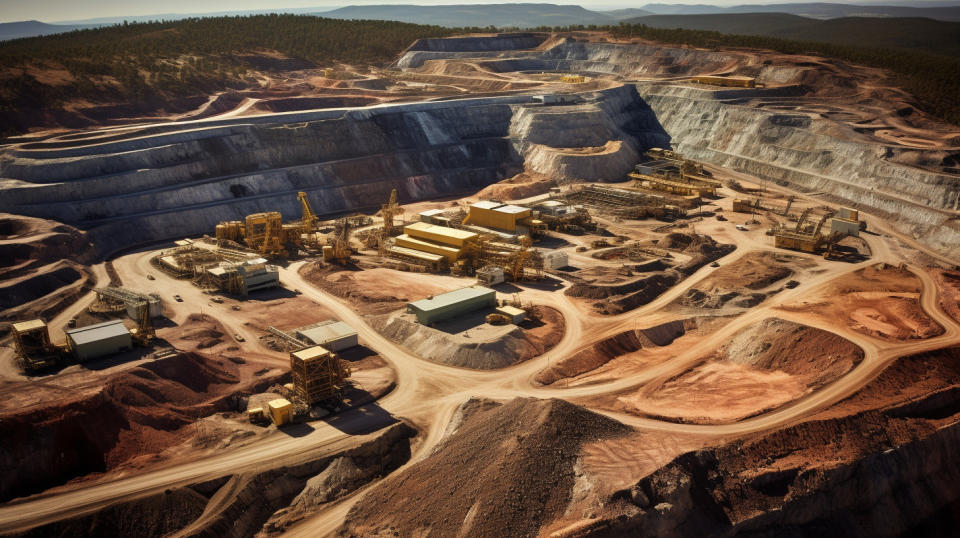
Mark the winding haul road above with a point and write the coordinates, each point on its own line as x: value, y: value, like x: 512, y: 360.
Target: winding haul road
x: 427, y: 394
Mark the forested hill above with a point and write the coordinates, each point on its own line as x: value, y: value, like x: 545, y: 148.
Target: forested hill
x: 938, y: 37
x: 153, y: 64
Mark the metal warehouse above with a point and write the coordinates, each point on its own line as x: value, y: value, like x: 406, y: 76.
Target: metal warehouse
x: 331, y: 334
x: 451, y: 304
x: 98, y: 340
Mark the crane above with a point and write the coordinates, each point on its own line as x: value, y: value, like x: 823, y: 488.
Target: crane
x: 308, y: 218
x: 390, y: 210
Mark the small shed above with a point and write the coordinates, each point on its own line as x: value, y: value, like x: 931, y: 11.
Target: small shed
x: 331, y: 334
x: 100, y: 339
x: 516, y: 315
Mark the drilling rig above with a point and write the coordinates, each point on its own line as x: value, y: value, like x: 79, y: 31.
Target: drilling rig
x: 388, y: 211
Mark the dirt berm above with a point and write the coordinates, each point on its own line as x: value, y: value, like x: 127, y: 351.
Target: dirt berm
x: 502, y: 470
x: 881, y: 463
x: 606, y: 350
x: 482, y: 347
x: 621, y: 298
x: 134, y: 413
x: 245, y: 504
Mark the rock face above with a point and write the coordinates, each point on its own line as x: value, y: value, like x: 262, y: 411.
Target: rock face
x: 810, y: 154
x: 777, y: 133
x: 877, y: 464
x: 128, y: 186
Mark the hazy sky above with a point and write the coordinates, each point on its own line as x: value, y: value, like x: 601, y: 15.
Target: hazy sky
x: 66, y: 10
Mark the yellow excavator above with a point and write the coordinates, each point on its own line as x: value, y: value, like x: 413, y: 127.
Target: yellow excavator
x: 338, y: 249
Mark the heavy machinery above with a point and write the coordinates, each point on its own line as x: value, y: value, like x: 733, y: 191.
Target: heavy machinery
x: 807, y: 236
x: 144, y: 333
x: 338, y: 248
x: 308, y: 219
x: 266, y: 234
x: 35, y: 351
x: 388, y: 211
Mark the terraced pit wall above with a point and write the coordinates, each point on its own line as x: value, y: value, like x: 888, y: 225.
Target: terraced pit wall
x: 757, y: 131
x: 810, y: 154
x: 130, y: 186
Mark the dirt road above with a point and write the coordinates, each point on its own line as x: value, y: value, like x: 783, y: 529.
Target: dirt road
x: 428, y: 393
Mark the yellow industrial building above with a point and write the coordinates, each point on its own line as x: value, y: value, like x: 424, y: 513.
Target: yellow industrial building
x: 435, y: 240
x: 504, y: 217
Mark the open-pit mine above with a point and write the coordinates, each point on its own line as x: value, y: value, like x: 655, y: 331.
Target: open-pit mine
x: 508, y: 285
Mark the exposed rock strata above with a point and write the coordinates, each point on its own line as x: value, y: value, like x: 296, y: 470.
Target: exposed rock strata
x: 168, y: 180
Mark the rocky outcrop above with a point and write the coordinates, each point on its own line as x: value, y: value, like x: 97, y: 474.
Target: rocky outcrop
x: 169, y: 180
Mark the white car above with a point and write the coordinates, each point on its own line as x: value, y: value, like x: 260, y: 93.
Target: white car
x: 742, y: 228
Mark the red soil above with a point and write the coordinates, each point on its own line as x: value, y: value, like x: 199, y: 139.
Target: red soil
x: 880, y: 301
x: 126, y: 417
x: 761, y: 368
x: 948, y: 292
x: 506, y: 470
x: 380, y: 290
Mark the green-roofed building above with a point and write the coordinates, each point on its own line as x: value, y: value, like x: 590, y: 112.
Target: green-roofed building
x: 451, y: 304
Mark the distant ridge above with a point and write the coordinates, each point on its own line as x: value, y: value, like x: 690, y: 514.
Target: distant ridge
x: 817, y: 10
x: 16, y: 30
x: 916, y: 33
x: 474, y: 15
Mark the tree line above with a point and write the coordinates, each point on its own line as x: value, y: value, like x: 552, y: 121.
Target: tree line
x: 155, y: 62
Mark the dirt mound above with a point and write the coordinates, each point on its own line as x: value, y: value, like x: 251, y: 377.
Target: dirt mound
x: 522, y: 185
x: 134, y: 413
x: 252, y: 502
x: 506, y: 470
x: 604, y: 351
x: 473, y: 343
x: 738, y: 282
x: 39, y: 285
x: 153, y: 516
x: 761, y: 368
x: 880, y: 301
x: 821, y: 474
x: 948, y: 293
x: 202, y: 332
x: 376, y: 291
x: 622, y: 297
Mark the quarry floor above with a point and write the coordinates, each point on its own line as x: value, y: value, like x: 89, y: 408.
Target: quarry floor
x: 687, y: 390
